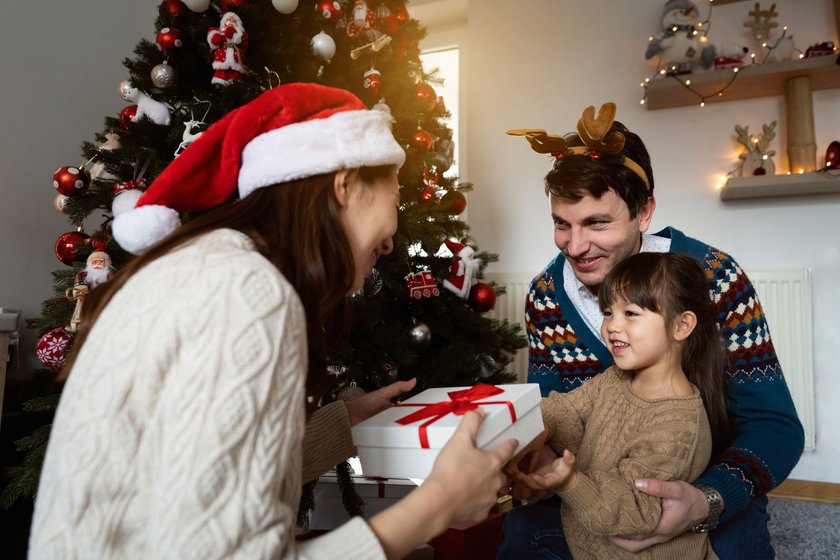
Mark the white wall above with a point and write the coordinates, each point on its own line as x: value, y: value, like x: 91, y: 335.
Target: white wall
x: 61, y: 64
x: 540, y: 65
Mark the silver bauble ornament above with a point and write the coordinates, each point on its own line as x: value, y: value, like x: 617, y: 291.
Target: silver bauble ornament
x: 350, y: 392
x: 485, y: 369
x: 323, y: 46
x: 197, y: 6
x: 421, y: 335
x: 285, y: 6
x: 163, y: 76
x: 60, y: 202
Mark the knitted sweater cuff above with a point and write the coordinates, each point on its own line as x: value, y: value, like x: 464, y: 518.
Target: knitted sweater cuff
x: 735, y: 498
x: 328, y: 441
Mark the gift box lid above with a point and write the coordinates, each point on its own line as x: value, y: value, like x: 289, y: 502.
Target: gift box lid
x: 385, y: 430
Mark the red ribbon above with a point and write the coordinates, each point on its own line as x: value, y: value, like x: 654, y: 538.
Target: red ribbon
x: 461, y: 402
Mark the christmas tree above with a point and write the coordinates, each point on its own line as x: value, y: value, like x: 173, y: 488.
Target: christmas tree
x: 421, y: 314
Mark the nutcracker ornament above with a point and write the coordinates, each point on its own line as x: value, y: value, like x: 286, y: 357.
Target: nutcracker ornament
x: 463, y: 271
x: 229, y: 42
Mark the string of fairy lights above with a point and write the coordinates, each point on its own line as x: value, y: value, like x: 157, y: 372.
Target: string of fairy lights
x: 702, y: 28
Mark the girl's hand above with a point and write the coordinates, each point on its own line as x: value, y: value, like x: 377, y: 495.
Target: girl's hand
x: 554, y: 477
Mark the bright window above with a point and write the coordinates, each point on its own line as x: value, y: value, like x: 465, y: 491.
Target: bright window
x: 446, y: 61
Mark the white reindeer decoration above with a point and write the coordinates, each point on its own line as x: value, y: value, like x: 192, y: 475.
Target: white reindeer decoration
x: 189, y: 135
x: 757, y: 160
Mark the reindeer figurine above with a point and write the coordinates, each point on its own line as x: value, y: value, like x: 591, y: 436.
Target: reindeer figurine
x: 757, y: 160
x: 189, y: 135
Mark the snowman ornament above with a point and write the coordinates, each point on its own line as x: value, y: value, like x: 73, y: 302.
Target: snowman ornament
x: 680, y: 46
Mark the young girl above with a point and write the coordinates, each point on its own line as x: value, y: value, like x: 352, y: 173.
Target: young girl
x: 644, y: 417
x: 183, y: 430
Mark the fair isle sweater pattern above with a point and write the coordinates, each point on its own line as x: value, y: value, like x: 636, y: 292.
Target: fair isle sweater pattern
x: 564, y: 353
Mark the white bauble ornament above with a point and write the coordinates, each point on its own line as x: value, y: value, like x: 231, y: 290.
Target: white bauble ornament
x: 125, y: 201
x: 197, y: 6
x: 323, y: 46
x: 285, y: 6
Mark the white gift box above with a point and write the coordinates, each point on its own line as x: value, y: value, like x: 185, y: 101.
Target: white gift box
x: 377, y: 493
x: 391, y: 445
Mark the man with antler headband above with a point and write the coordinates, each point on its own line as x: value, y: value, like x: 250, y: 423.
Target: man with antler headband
x: 601, y: 193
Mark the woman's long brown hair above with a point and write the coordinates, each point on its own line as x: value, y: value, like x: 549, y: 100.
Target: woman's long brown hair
x: 670, y: 284
x: 296, y: 226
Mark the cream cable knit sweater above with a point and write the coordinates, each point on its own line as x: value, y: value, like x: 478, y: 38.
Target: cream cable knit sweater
x: 180, y: 431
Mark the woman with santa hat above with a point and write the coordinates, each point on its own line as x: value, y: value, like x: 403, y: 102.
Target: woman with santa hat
x: 188, y: 421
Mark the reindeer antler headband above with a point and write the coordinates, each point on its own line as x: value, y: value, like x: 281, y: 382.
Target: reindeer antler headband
x: 593, y: 132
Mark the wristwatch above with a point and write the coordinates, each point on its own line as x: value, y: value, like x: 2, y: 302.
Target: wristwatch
x: 715, y: 509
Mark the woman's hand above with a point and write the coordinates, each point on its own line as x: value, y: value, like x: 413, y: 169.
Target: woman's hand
x: 362, y: 408
x: 470, y: 479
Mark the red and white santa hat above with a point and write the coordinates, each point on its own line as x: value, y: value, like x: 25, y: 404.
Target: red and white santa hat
x: 289, y: 132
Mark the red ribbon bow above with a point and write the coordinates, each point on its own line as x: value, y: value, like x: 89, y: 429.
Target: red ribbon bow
x: 461, y: 402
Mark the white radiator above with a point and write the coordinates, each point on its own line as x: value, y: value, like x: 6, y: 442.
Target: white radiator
x: 786, y: 298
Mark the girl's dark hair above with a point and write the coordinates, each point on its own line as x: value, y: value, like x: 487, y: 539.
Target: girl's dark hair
x: 670, y: 284
x: 576, y: 175
x: 294, y: 225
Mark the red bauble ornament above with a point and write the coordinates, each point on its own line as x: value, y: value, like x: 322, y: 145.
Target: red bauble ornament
x: 456, y: 200
x: 422, y: 139
x: 373, y: 80
x: 482, y: 297
x: 330, y: 10
x: 68, y: 245
x: 127, y: 115
x: 226, y: 5
x: 832, y: 155
x: 425, y: 96
x: 175, y: 7
x: 70, y: 181
x: 53, y: 346
x: 168, y: 38
x: 396, y: 19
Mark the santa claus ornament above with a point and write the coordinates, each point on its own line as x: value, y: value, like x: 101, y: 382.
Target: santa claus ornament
x: 229, y: 42
x: 463, y: 271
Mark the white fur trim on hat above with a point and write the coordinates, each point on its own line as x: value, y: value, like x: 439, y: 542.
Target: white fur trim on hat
x: 140, y: 228
x: 341, y: 141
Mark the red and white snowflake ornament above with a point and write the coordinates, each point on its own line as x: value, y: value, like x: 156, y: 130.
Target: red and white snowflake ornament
x: 53, y: 346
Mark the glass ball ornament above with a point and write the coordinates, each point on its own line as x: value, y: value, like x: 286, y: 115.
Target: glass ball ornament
x: 175, y: 7
x: 422, y: 139
x: 69, y: 245
x: 420, y: 335
x: 70, y: 180
x: 168, y: 39
x: 456, y: 201
x: 285, y: 6
x: 60, y: 202
x: 482, y: 297
x: 323, y: 46
x: 350, y: 392
x: 53, y: 346
x: 127, y: 115
x: 390, y: 371
x: 485, y: 369
x: 163, y: 76
x: 425, y: 96
x: 197, y: 6
x: 330, y: 10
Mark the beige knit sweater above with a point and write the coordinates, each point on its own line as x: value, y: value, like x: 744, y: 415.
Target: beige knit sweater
x: 180, y: 432
x: 619, y: 437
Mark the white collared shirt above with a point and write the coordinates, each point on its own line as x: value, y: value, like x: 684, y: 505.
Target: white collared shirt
x: 585, y: 302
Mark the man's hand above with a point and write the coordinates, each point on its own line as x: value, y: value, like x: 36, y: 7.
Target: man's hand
x: 362, y: 408
x: 683, y: 506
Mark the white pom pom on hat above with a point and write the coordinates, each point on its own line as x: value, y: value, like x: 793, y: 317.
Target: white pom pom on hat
x: 289, y: 132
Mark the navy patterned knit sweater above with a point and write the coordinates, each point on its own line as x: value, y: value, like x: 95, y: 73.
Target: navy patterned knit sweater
x: 564, y: 353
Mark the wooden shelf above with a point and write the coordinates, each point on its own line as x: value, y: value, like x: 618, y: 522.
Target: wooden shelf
x: 764, y: 186
x: 753, y: 80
